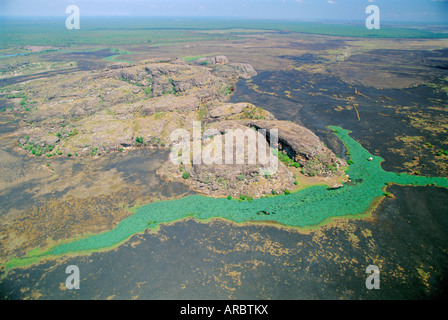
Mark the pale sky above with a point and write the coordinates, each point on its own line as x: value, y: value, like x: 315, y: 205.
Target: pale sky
x: 348, y: 10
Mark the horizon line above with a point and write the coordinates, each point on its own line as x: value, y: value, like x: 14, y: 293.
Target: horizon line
x: 386, y: 21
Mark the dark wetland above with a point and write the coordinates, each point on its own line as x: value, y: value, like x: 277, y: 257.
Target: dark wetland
x: 392, y: 94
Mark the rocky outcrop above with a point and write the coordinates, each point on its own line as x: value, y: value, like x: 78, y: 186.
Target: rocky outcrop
x: 234, y: 111
x: 221, y: 67
x: 90, y: 110
x: 303, y: 146
x: 212, y: 60
x: 299, y: 143
x: 234, y: 176
x: 307, y: 155
x: 239, y: 70
x: 117, y: 109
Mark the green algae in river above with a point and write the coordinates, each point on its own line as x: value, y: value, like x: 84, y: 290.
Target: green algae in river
x: 305, y: 208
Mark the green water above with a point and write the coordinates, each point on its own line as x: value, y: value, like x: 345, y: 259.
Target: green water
x: 305, y: 208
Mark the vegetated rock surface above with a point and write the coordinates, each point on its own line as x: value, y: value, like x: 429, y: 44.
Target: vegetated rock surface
x: 122, y: 107
x: 103, y: 111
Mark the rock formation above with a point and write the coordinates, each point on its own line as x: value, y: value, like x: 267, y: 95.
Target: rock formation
x: 130, y: 106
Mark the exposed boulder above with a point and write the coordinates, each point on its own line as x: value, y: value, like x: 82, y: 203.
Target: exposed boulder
x: 212, y: 60
x: 303, y: 146
x: 298, y: 142
x: 238, y: 70
x: 240, y: 176
x: 218, y: 177
x: 235, y: 111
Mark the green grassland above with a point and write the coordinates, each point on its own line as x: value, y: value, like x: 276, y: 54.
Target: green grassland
x: 158, y: 31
